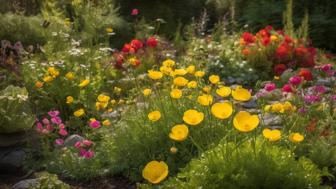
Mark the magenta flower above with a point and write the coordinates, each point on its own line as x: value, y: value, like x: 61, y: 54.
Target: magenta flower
x: 59, y: 141
x: 78, y: 144
x: 302, y: 110
x: 39, y: 126
x: 45, y: 121
x: 49, y: 127
x: 295, y: 80
x: 56, y: 120
x: 82, y: 152
x: 89, y: 154
x: 61, y: 126
x: 312, y: 98
x: 63, y: 132
x: 95, y: 124
x: 134, y: 12
x: 270, y: 87
x: 53, y: 113
x: 333, y: 97
x: 320, y: 89
x: 87, y: 142
x: 287, y: 88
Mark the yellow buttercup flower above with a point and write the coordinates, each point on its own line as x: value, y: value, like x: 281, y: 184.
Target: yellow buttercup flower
x: 274, y: 38
x: 101, y: 105
x: 180, y: 81
x: 109, y: 30
x: 272, y: 135
x: 53, y: 71
x: 241, y: 94
x: 168, y: 63
x: 48, y: 79
x: 154, y: 116
x: 106, y: 122
x: 199, y: 74
x: 155, y: 171
x: 276, y: 77
x: 147, y: 92
x: 70, y: 75
x: 296, y: 137
x: 113, y: 102
x: 38, y: 84
x: 207, y: 89
x: 205, y: 100
x: 180, y: 71
x: 223, y: 91
x: 84, y: 83
x: 166, y: 70
x: 179, y: 132
x: 193, y: 117
x: 69, y: 99
x: 103, y: 98
x: 176, y: 93
x: 79, y: 112
x: 192, y: 84
x: 155, y: 75
x: 222, y: 110
x: 214, y: 79
x: 191, y: 69
x: 245, y: 122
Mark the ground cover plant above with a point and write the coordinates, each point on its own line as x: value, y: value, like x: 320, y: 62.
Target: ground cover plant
x: 93, y: 99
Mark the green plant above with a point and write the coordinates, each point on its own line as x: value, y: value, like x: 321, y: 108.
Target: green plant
x: 234, y: 166
x: 47, y: 180
x: 15, y: 112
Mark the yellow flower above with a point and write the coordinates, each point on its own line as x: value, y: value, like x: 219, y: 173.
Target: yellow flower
x: 154, y: 116
x: 180, y: 71
x: 101, y: 105
x: 48, y: 79
x: 69, y: 99
x: 193, y: 117
x: 52, y: 71
x: 179, y: 132
x: 276, y: 77
x: 274, y: 38
x: 103, y: 98
x: 92, y: 119
x: 176, y: 93
x: 70, y: 75
x: 117, y: 90
x: 222, y: 110
x: 79, y: 112
x: 245, y: 122
x: 173, y: 150
x: 207, y: 89
x: 199, y: 74
x: 214, y: 79
x: 289, y: 107
x: 134, y: 61
x: 147, y: 92
x: 84, y: 83
x: 205, y: 100
x: 38, y: 84
x: 296, y: 137
x: 168, y: 63
x: 121, y: 101
x: 109, y: 110
x: 180, y: 81
x: 267, y: 108
x: 109, y: 30
x: 223, y: 91
x: 241, y: 94
x: 192, y: 84
x: 155, y: 75
x: 106, y: 122
x: 113, y: 102
x: 191, y: 69
x: 155, y: 171
x: 272, y: 135
x: 166, y: 70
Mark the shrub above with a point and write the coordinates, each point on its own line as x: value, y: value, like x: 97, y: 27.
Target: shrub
x: 262, y: 166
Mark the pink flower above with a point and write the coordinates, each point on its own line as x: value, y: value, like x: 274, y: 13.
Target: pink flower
x: 95, y: 124
x: 320, y: 89
x: 82, y: 152
x: 45, y: 121
x: 287, y: 88
x: 89, y: 154
x: 53, y: 113
x: 78, y: 144
x: 61, y: 126
x: 312, y: 98
x: 295, y: 80
x: 49, y: 127
x: 134, y: 12
x: 87, y: 142
x: 59, y: 141
x: 270, y: 87
x: 63, y: 132
x: 39, y: 126
x: 326, y: 67
x: 56, y: 120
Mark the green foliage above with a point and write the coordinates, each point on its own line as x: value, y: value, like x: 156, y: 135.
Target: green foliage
x: 47, y: 180
x: 263, y: 166
x: 15, y: 113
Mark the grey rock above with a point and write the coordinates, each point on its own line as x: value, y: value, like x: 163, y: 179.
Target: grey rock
x: 72, y: 139
x: 271, y: 119
x: 11, y: 159
x: 14, y: 139
x: 325, y: 82
x: 250, y: 104
x: 254, y: 111
x: 25, y: 184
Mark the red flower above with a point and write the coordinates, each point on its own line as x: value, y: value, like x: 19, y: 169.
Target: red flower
x: 128, y: 48
x: 306, y: 74
x: 279, y: 69
x: 283, y: 51
x: 269, y: 28
x: 134, y: 12
x: 288, y: 39
x: 287, y: 88
x: 266, y: 41
x: 152, y: 42
x: 246, y: 51
x: 136, y: 44
x: 301, y: 51
x: 263, y: 33
x: 248, y: 38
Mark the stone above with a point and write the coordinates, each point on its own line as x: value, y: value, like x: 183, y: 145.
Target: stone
x: 72, y: 139
x: 14, y: 139
x: 324, y: 82
x: 252, y: 104
x: 11, y: 160
x: 271, y: 119
x: 25, y: 184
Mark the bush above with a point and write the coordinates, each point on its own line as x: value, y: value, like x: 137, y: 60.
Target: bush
x: 232, y: 166
x: 15, y: 113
